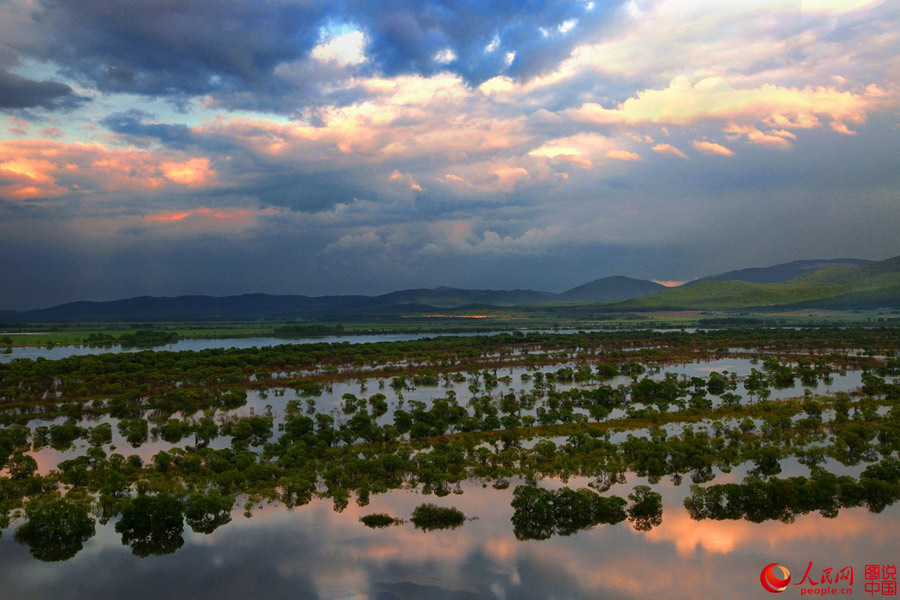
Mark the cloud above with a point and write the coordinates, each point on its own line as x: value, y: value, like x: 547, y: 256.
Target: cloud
x: 404, y: 119
x: 460, y: 237
x: 351, y: 241
x: 133, y: 124
x: 19, y: 92
x: 18, y: 126
x: 617, y: 154
x: 52, y: 132
x: 669, y: 149
x: 445, y: 56
x: 196, y: 221
x: 407, y: 180
x: 450, y: 177
x: 345, y: 49
x: 579, y: 149
x: 38, y: 169
x: 711, y: 148
x: 508, y: 178
x: 336, y: 116
x: 174, y: 47
x: 778, y: 138
x: 193, y: 172
x: 714, y: 99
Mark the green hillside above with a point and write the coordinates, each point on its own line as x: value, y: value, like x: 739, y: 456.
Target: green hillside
x: 873, y: 285
x: 610, y: 289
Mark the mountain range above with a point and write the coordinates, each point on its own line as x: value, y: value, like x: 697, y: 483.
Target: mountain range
x: 838, y: 283
x: 872, y: 285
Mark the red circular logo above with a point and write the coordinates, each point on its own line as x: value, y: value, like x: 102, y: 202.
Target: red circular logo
x: 773, y: 582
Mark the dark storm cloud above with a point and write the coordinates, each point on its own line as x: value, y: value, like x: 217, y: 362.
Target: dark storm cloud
x: 174, y: 47
x: 131, y: 123
x: 406, y: 37
x: 19, y: 92
x: 305, y: 192
x: 182, y: 48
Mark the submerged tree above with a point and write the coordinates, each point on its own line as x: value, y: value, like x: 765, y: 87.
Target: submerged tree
x: 152, y: 525
x: 56, y: 529
x: 428, y: 517
x: 539, y: 513
x: 645, y: 512
x: 379, y: 520
x: 205, y: 513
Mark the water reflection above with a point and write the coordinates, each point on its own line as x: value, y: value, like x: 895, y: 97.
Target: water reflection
x: 332, y: 400
x: 58, y: 352
x: 315, y: 553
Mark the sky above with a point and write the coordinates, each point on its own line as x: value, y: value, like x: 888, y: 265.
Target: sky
x: 220, y: 147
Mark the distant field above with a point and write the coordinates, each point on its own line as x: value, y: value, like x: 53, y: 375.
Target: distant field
x: 561, y: 317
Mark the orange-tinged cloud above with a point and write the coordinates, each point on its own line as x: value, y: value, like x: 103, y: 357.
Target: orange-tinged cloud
x: 778, y: 138
x: 46, y: 169
x: 567, y: 153
x: 234, y: 215
x: 713, y: 98
x: 407, y: 180
x: 617, y: 154
x: 509, y: 177
x: 172, y: 216
x: 28, y: 178
x: 192, y: 173
x: 669, y: 150
x: 712, y: 148
x: 402, y: 118
x: 233, y: 221
x: 577, y: 149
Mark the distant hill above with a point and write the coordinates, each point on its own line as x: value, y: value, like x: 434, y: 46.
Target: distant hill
x: 783, y: 271
x: 265, y: 306
x: 445, y: 297
x: 872, y: 285
x: 610, y: 289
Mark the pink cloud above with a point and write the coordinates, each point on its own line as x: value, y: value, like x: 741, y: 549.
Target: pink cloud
x: 669, y: 149
x: 577, y: 149
x: 711, y: 148
x: 407, y: 180
x: 617, y: 154
x: 45, y: 169
x: 192, y: 173
x: 714, y: 99
x: 777, y: 138
x: 233, y: 215
x: 52, y: 132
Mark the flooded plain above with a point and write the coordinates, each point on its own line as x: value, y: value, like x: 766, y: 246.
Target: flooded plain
x: 322, y: 550
x: 313, y: 552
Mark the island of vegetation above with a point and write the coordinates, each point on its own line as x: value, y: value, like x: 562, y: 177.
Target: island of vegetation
x: 509, y: 411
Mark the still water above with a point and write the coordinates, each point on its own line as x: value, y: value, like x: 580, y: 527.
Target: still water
x: 313, y: 552
x: 274, y: 401
x: 57, y: 352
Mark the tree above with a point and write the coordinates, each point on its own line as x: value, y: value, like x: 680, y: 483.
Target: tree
x: 645, y: 512
x: 205, y: 513
x: 56, y: 529
x: 152, y: 525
